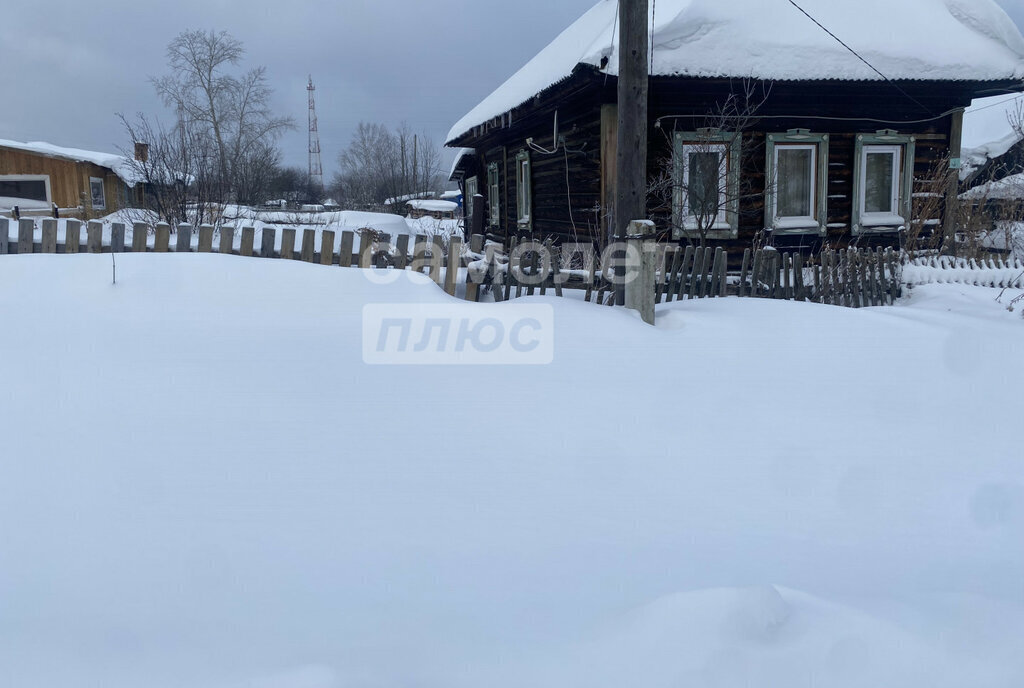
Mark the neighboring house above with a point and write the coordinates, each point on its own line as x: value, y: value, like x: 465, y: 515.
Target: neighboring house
x: 834, y: 151
x: 439, y: 210
x: 992, y: 142
x: 36, y: 176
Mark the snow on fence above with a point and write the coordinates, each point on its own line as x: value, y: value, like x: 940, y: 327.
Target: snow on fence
x: 851, y: 277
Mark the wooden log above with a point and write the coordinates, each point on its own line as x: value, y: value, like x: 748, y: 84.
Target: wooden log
x: 5, y: 228
x: 744, y: 270
x: 402, y: 251
x: 183, y: 240
x: 345, y: 248
x: 140, y: 235
x: 162, y: 240
x: 49, y: 244
x: 227, y: 240
x: 205, y: 239
x: 72, y: 236
x: 26, y: 235
x: 94, y: 237
x: 308, y: 245
x: 246, y: 247
x: 288, y: 243
x: 117, y: 237
x: 268, y: 242
x: 327, y: 247
x: 454, y: 261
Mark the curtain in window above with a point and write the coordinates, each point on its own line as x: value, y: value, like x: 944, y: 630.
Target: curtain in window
x: 878, y: 182
x: 795, y: 182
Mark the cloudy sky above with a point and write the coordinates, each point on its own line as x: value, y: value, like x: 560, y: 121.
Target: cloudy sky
x: 69, y: 66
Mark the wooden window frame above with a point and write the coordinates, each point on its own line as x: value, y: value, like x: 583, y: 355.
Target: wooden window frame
x: 817, y: 222
x: 686, y: 142
x: 524, y: 190
x: 494, y: 195
x: 903, y: 181
x: 473, y: 182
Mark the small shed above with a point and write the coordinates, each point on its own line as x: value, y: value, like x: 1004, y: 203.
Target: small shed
x: 36, y: 176
x: 439, y: 210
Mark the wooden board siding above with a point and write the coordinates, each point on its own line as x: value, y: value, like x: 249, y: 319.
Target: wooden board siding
x: 68, y: 179
x: 840, y: 109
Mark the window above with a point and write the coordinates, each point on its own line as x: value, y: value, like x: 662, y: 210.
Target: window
x: 31, y: 187
x: 524, y: 202
x: 795, y: 196
x: 471, y: 192
x: 706, y: 184
x: 883, y: 182
x: 99, y: 201
x: 494, y: 195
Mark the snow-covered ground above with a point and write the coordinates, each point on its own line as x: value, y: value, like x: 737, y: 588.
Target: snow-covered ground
x: 203, y: 486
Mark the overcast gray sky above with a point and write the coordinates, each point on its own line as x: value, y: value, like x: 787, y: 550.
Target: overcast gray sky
x: 69, y: 66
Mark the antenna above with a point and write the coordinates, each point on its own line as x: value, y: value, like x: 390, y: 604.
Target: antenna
x: 316, y: 171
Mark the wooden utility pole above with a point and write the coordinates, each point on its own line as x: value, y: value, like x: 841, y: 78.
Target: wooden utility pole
x: 631, y: 167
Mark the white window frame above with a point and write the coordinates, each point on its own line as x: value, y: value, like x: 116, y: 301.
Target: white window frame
x: 903, y: 183
x: 796, y: 221
x: 873, y: 218
x: 45, y: 178
x: 690, y: 219
x: 524, y: 197
x: 103, y: 194
x: 472, y: 189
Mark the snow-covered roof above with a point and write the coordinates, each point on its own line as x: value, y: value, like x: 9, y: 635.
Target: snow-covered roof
x: 449, y: 195
x: 120, y: 165
x: 460, y: 153
x: 988, y: 129
x: 407, y: 197
x: 1005, y: 189
x: 434, y: 206
x: 946, y: 40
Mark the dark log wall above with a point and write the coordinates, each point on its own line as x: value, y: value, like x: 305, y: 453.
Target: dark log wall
x: 842, y: 110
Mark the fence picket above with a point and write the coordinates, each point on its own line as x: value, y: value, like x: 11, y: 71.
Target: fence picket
x: 183, y: 239
x: 345, y: 248
x: 327, y: 247
x: 308, y: 245
x: 247, y: 245
x: 402, y: 251
x: 162, y: 240
x: 49, y: 244
x: 743, y: 273
x: 288, y: 243
x: 454, y: 261
x: 723, y: 283
x: 94, y: 237
x: 140, y: 234
x: 205, y: 239
x: 227, y: 240
x: 117, y: 237
x: 26, y: 231
x: 72, y: 236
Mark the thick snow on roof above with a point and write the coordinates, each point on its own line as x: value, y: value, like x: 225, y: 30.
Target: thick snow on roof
x: 1005, y: 189
x: 460, y: 153
x: 988, y: 129
x: 120, y: 165
x: 965, y: 40
x: 434, y: 206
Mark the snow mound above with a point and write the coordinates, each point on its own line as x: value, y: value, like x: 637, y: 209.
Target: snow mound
x: 774, y: 40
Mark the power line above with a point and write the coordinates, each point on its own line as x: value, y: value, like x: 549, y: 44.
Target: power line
x: 859, y: 57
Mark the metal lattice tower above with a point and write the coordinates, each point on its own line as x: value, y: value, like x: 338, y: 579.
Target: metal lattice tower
x: 316, y: 171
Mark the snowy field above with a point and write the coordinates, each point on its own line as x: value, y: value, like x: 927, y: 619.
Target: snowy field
x: 202, y: 486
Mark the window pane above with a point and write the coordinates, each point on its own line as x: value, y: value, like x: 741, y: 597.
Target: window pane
x: 703, y: 188
x: 29, y: 189
x: 794, y: 180
x: 878, y: 179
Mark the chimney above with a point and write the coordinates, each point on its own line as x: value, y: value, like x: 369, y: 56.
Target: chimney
x: 141, y: 151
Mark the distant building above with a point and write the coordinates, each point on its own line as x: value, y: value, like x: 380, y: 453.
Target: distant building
x: 36, y: 176
x: 439, y: 210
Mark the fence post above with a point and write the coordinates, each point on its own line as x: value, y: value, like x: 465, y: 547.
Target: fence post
x: 401, y: 251
x: 5, y: 227
x: 268, y: 237
x: 288, y: 243
x: 227, y: 240
x: 365, y: 248
x: 140, y: 233
x: 26, y: 230
x: 454, y: 262
x: 162, y: 240
x: 94, y: 237
x: 183, y: 239
x: 117, y: 237
x: 205, y: 238
x: 49, y: 236
x: 308, y: 245
x: 246, y: 247
x: 327, y: 247
x: 641, y: 259
x: 345, y: 250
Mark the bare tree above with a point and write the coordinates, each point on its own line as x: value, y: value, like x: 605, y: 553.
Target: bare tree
x: 699, y: 180
x: 234, y: 111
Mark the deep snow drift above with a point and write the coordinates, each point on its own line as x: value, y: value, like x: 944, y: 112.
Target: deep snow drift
x: 202, y: 486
